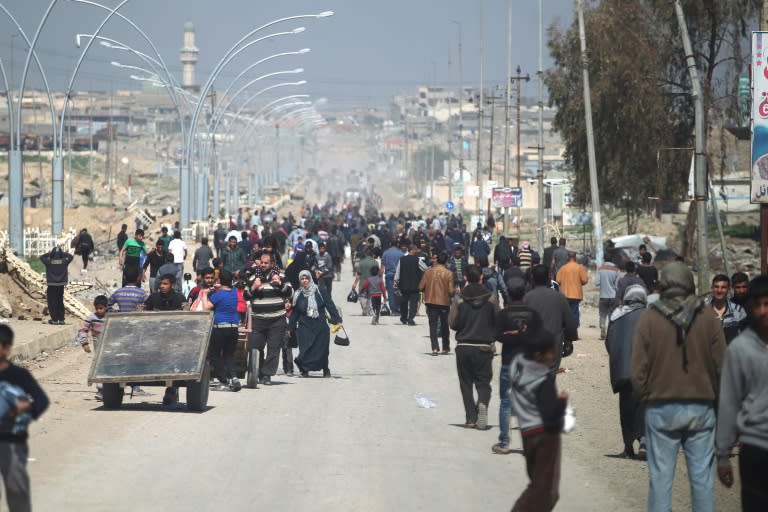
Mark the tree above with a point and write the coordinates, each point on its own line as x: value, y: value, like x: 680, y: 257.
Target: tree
x: 640, y: 92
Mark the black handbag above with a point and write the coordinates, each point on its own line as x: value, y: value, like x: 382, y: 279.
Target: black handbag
x: 341, y: 338
x: 385, y: 310
x: 352, y: 297
x: 567, y: 348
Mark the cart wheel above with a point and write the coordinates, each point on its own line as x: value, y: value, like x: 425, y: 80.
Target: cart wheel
x: 252, y: 377
x: 197, y: 391
x: 112, y: 393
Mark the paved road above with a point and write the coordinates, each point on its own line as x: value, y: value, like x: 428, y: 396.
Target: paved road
x: 357, y: 441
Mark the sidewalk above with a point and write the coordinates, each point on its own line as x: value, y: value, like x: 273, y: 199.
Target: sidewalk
x: 32, y: 338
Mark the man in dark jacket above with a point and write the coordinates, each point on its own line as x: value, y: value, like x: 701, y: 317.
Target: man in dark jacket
x: 56, y: 274
x: 618, y: 343
x: 474, y: 321
x: 407, y: 278
x: 554, y: 310
x: 28, y: 402
x: 84, y: 247
x: 479, y: 247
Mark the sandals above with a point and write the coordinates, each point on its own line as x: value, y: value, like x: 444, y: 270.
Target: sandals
x: 470, y: 425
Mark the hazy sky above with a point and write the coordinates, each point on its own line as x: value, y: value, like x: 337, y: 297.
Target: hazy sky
x: 364, y: 54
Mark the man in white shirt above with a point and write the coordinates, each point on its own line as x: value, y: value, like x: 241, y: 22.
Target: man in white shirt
x: 178, y: 248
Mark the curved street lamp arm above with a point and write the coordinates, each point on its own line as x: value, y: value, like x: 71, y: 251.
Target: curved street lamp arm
x: 79, y: 63
x: 10, y: 103
x: 224, y: 108
x: 225, y: 94
x: 138, y: 29
x: 231, y: 54
x: 21, y: 91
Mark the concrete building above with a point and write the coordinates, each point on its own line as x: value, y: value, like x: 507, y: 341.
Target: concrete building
x: 188, y: 57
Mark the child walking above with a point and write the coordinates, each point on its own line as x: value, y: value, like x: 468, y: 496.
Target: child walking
x: 289, y: 340
x: 375, y: 289
x: 540, y: 412
x: 94, y: 326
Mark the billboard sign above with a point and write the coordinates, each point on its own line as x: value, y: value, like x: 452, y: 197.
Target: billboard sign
x: 759, y: 111
x: 507, y: 197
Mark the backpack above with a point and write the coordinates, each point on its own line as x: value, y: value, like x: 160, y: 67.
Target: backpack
x: 491, y: 280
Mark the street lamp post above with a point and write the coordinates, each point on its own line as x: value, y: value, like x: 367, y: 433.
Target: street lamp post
x: 184, y: 214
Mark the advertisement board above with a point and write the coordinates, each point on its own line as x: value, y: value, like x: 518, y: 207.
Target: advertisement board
x: 759, y: 174
x: 507, y: 197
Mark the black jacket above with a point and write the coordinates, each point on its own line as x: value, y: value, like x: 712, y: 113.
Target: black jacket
x: 56, y: 266
x: 475, y: 322
x: 513, y: 327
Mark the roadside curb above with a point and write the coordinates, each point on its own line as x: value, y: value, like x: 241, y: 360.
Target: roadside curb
x: 32, y: 338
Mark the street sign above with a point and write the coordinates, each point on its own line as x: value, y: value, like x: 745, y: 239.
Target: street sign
x: 449, y: 205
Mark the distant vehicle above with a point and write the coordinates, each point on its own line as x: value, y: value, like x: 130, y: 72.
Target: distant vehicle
x: 351, y: 195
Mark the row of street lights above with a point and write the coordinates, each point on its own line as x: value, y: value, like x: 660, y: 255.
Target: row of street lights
x: 160, y: 75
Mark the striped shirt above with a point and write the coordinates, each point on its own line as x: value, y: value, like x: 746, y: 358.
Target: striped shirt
x: 267, y: 301
x: 94, y: 325
x: 128, y: 298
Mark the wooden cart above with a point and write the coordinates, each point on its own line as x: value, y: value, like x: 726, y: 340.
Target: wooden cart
x: 165, y: 348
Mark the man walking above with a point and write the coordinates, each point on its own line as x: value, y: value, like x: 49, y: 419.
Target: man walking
x: 267, y: 290
x: 475, y: 326
x: 743, y: 402
x: 389, y: 260
x: 553, y: 308
x: 606, y: 280
x: 203, y: 256
x: 677, y: 354
x: 178, y: 248
x: 324, y: 272
x: 437, y: 285
x: 572, y: 277
x: 56, y: 275
x: 407, y: 278
x: 29, y: 401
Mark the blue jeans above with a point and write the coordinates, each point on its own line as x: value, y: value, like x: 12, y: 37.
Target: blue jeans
x: 668, y: 425
x: 574, y: 304
x: 505, y: 406
x: 389, y: 282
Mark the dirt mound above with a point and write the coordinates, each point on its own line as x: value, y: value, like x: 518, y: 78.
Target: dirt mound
x: 28, y: 304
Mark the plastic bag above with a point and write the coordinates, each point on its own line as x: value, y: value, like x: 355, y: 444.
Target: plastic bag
x: 385, y: 311
x: 424, y: 401
x: 352, y: 297
x: 569, y: 422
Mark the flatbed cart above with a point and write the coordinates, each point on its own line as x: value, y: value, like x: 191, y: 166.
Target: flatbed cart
x: 164, y: 348
x: 246, y: 358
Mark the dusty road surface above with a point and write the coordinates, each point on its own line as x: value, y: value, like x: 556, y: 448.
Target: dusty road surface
x: 356, y: 441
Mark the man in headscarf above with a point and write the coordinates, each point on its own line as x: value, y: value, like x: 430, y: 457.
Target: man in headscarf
x: 677, y: 355
x: 618, y: 343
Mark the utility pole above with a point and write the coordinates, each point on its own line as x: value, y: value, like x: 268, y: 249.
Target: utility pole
x: 450, y: 127
x: 518, y: 78
x: 480, y: 118
x: 461, y: 109
x: 507, y: 93
x: 700, y: 158
x: 540, y: 146
x: 594, y: 191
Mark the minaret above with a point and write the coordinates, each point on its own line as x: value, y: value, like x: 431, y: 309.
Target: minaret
x: 189, y: 58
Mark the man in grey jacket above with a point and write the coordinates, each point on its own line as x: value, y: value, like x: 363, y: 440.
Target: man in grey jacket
x: 743, y: 402
x: 607, y: 279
